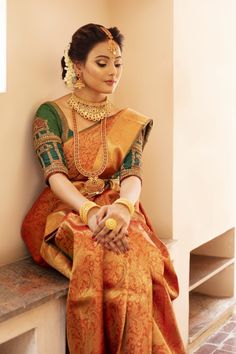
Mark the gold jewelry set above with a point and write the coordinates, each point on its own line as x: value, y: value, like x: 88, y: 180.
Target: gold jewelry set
x: 90, y: 110
x: 96, y: 112
x: 110, y: 223
x: 84, y: 210
x: 127, y: 203
x: 112, y: 46
x: 94, y: 185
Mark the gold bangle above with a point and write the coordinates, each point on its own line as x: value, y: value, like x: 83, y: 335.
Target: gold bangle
x: 127, y: 203
x: 84, y: 210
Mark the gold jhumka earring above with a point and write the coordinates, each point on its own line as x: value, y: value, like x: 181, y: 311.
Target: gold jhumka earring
x: 79, y: 84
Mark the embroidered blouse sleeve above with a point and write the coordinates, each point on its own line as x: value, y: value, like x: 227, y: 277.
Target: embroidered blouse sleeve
x: 47, y: 132
x: 132, y: 164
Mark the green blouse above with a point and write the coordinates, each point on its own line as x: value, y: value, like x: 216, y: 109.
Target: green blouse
x: 49, y: 135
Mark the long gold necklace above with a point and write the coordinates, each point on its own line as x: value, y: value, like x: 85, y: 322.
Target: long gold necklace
x: 94, y: 185
x: 89, y: 110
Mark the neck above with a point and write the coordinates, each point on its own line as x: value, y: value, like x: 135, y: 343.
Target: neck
x: 90, y: 96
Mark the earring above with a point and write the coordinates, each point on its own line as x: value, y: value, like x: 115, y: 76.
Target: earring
x: 79, y: 84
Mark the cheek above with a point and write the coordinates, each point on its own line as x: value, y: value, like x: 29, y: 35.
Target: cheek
x: 119, y: 73
x: 94, y: 73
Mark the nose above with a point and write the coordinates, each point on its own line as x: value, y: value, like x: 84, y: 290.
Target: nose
x: 112, y: 69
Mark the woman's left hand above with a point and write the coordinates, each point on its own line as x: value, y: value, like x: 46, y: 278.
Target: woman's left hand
x: 116, y: 239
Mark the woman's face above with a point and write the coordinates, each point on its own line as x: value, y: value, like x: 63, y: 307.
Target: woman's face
x: 102, y: 70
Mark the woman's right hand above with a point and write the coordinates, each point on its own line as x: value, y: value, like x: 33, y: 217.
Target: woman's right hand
x: 118, y: 247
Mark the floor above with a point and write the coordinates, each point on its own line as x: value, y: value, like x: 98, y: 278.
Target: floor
x: 221, y: 342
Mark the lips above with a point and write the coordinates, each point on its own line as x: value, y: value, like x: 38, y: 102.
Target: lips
x: 110, y: 82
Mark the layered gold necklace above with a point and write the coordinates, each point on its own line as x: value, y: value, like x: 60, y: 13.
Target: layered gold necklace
x: 94, y: 185
x: 90, y: 110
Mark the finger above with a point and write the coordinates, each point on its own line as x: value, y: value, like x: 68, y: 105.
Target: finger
x: 122, y: 233
x: 106, y: 237
x: 123, y: 236
x: 112, y: 247
x: 111, y: 236
x: 106, y: 233
x: 107, y: 246
x: 124, y: 239
x: 120, y: 246
x: 118, y: 238
x: 98, y: 229
x: 101, y: 214
x: 125, y: 243
x: 101, y: 236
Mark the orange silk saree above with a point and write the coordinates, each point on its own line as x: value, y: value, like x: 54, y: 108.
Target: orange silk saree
x: 117, y: 304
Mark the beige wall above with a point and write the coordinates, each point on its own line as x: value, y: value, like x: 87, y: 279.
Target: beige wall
x: 204, y: 129
x: 37, y: 33
x: 204, y: 119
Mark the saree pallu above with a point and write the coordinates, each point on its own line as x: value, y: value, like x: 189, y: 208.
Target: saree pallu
x: 117, y: 303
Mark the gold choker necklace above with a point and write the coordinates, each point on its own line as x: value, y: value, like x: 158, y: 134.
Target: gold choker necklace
x: 89, y: 110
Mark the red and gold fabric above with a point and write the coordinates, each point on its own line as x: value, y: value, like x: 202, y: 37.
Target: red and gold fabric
x: 117, y: 304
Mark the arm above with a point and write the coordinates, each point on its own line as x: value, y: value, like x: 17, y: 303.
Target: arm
x: 130, y: 177
x: 130, y: 188
x: 66, y: 191
x: 47, y: 133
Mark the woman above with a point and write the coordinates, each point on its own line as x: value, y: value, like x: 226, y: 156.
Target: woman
x: 88, y: 223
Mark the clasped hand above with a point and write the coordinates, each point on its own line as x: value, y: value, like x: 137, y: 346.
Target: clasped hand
x: 114, y: 240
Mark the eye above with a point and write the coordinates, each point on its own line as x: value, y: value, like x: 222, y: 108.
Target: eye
x: 118, y: 65
x: 101, y: 64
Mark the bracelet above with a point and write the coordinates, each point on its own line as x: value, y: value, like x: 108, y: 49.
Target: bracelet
x: 84, y: 210
x: 127, y: 203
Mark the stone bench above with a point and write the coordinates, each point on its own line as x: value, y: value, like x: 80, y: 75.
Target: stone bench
x: 32, y: 309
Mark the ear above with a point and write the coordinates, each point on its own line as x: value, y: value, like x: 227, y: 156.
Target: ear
x: 77, y: 68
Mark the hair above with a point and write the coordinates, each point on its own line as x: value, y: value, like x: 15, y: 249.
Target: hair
x: 85, y: 38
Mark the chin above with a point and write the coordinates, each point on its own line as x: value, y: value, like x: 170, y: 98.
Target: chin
x: 110, y: 90
x: 106, y: 90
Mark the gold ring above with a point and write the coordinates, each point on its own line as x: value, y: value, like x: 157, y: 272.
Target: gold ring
x: 111, y: 223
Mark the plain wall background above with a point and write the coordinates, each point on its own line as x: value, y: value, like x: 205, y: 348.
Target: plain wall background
x: 204, y: 119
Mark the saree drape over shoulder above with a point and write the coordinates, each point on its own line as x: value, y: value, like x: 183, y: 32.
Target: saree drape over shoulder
x: 117, y: 303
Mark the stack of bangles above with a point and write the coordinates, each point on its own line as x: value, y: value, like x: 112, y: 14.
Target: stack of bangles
x: 110, y: 223
x: 84, y: 210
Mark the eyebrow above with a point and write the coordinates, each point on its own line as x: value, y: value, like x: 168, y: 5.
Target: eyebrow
x: 106, y: 57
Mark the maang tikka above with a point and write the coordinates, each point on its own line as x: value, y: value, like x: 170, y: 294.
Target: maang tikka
x: 112, y: 45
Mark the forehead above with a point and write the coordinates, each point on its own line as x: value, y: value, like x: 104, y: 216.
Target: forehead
x: 101, y: 49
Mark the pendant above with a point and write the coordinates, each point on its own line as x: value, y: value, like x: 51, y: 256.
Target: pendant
x: 94, y: 185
